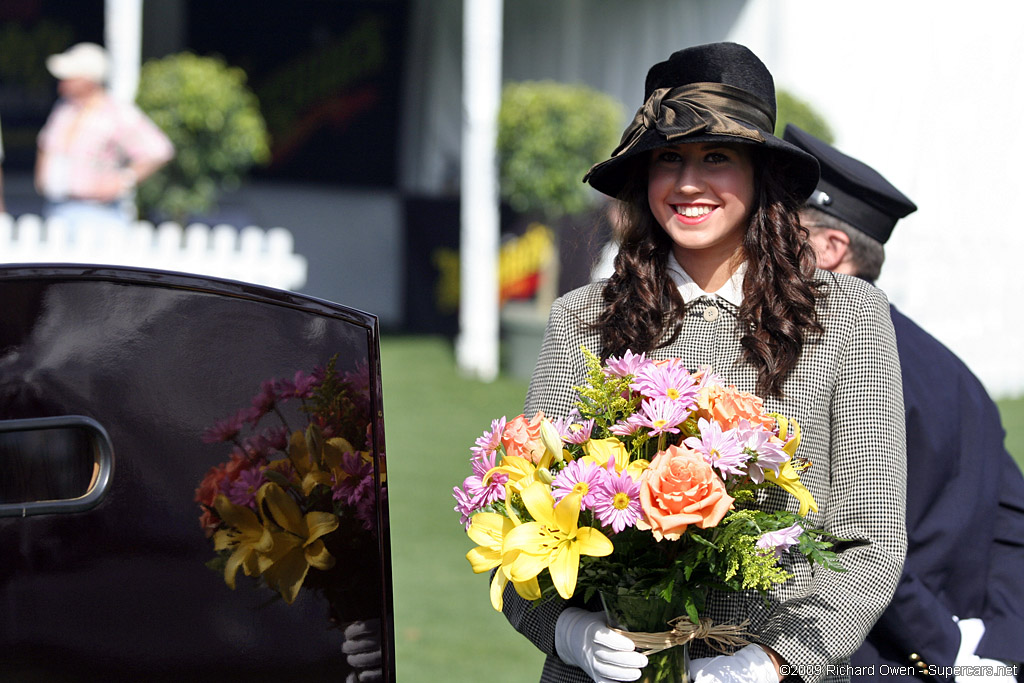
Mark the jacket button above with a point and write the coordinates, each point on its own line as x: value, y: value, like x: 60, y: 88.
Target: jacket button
x: 711, y: 313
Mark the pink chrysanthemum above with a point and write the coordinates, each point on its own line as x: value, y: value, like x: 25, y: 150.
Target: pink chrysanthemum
x: 271, y: 440
x: 670, y: 381
x: 355, y: 488
x: 489, y: 442
x: 780, y: 541
x: 227, y: 429
x: 573, y: 428
x: 483, y: 494
x: 765, y: 453
x: 618, y: 502
x: 625, y: 428
x: 720, y: 449
x: 463, y: 505
x: 705, y: 376
x: 660, y: 416
x: 302, y: 385
x: 628, y: 364
x: 582, y: 476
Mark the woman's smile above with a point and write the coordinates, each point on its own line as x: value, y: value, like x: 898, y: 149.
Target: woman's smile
x: 692, y: 214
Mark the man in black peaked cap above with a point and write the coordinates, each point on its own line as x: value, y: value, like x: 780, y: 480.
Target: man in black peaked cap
x: 958, y: 612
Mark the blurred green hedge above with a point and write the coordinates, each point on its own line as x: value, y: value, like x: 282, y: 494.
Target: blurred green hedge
x: 549, y: 134
x: 214, y: 121
x: 792, y: 109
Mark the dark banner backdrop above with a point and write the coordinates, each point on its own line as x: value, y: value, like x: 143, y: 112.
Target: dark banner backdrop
x: 327, y: 74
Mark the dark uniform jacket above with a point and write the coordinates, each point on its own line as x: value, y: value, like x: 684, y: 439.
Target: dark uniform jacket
x: 845, y: 392
x: 965, y: 523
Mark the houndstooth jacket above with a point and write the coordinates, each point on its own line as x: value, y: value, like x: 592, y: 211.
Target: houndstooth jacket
x: 846, y: 394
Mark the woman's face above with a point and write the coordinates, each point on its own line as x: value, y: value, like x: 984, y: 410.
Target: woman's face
x: 702, y: 194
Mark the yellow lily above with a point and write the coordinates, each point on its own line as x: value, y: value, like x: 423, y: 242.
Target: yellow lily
x: 306, y: 461
x: 552, y: 440
x: 488, y: 530
x: 246, y: 537
x: 521, y: 473
x: 788, y: 479
x: 316, y: 460
x: 791, y: 444
x: 600, y: 450
x: 297, y: 541
x: 553, y: 542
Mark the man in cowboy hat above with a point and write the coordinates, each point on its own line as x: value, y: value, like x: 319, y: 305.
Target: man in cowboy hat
x: 93, y: 149
x: 960, y: 601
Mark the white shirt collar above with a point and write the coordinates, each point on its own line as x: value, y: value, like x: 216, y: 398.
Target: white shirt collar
x: 731, y: 291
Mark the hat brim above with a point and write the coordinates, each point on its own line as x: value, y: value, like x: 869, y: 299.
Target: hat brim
x: 62, y: 67
x: 611, y: 176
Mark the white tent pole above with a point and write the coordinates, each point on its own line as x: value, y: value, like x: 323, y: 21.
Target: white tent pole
x: 123, y: 38
x: 477, y: 345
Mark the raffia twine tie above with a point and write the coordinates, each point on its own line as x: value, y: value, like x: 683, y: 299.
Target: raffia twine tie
x: 720, y: 637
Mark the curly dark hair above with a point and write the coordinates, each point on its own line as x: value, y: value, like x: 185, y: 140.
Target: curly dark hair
x: 644, y: 308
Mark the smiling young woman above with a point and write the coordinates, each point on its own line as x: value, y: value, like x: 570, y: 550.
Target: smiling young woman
x: 702, y: 195
x: 713, y: 269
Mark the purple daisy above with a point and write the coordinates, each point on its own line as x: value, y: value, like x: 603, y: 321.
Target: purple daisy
x: 765, y: 453
x: 781, y: 540
x: 670, y: 381
x: 242, y: 491
x: 266, y: 399
x: 618, y: 502
x: 579, y: 475
x: 720, y: 449
x: 357, y: 474
x: 660, y: 416
x: 628, y: 364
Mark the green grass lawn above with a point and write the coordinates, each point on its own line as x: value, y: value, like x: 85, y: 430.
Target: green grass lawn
x: 1013, y: 422
x: 445, y: 628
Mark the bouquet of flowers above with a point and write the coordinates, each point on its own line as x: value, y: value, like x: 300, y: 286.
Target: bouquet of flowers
x: 291, y: 504
x: 645, y: 495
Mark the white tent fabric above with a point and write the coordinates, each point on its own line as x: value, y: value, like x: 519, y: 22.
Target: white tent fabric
x: 902, y: 84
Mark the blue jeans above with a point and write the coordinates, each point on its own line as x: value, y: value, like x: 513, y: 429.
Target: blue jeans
x: 107, y: 217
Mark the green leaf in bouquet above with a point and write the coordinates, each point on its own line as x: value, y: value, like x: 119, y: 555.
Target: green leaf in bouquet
x: 278, y: 478
x: 605, y: 398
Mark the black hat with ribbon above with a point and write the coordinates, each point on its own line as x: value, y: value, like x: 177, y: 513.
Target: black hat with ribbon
x: 852, y: 191
x: 717, y: 92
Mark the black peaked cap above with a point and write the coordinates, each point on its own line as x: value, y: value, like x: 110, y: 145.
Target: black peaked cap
x: 851, y: 190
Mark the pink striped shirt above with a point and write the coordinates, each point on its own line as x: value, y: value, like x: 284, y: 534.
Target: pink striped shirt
x: 86, y: 144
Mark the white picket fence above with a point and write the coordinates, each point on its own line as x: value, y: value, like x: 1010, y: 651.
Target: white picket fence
x: 252, y: 254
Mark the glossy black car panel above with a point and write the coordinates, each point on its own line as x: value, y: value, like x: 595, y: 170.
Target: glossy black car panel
x: 132, y: 367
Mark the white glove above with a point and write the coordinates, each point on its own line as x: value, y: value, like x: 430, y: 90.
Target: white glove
x: 583, y: 639
x: 971, y: 633
x: 362, y: 651
x: 750, y: 664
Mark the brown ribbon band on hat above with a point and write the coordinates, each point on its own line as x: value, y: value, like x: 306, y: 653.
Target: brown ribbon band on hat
x: 720, y: 637
x: 696, y: 108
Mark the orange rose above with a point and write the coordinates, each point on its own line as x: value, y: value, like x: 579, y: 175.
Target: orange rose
x: 728, y: 405
x: 679, y: 489
x: 208, y: 489
x: 522, y: 438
